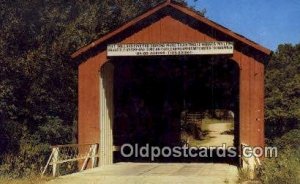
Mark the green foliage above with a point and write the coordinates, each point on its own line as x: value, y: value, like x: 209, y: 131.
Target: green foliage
x: 38, y: 86
x: 27, y: 180
x: 286, y: 167
x: 288, y: 140
x: 33, y: 149
x: 283, y: 90
x: 283, y: 115
x: 31, y: 157
x: 244, y: 175
x: 38, y: 79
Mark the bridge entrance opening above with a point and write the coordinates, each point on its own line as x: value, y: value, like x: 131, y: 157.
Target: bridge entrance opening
x: 175, y: 102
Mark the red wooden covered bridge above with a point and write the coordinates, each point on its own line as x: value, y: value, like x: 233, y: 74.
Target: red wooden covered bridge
x: 168, y: 45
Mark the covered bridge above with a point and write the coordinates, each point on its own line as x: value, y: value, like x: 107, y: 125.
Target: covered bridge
x: 169, y: 43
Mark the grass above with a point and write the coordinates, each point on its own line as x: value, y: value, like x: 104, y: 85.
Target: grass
x: 28, y: 180
x: 284, y: 169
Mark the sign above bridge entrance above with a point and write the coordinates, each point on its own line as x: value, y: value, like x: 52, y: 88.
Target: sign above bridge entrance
x: 170, y: 49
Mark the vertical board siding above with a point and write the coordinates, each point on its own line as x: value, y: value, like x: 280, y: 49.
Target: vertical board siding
x: 262, y: 104
x: 167, y: 29
x: 257, y: 91
x: 245, y: 100
x: 106, y: 114
x: 88, y: 100
x: 260, y: 100
x: 253, y: 103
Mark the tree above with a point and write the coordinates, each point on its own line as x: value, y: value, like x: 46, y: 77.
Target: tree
x: 283, y: 90
x: 38, y: 79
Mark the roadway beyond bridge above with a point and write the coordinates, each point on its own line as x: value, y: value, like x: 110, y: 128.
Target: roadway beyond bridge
x: 146, y: 173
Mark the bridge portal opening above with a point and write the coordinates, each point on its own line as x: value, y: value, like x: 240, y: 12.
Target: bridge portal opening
x: 175, y: 101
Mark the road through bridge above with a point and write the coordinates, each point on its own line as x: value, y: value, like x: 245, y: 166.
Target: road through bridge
x: 147, y: 173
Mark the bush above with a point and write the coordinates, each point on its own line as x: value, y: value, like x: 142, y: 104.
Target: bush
x: 288, y: 140
x: 286, y: 167
x: 27, y: 180
x: 29, y: 161
x: 33, y: 148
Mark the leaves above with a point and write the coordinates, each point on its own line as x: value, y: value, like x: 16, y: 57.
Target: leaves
x: 38, y: 79
x: 283, y: 90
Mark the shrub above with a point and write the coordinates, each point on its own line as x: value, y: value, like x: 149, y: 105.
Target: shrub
x: 286, y: 167
x: 33, y: 149
x: 28, y: 162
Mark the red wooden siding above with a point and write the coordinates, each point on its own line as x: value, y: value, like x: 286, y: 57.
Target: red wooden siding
x: 167, y: 29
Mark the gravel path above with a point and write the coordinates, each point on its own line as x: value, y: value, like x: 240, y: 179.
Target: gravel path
x: 215, y: 137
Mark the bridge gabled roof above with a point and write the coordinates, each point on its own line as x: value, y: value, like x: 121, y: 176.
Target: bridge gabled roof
x: 179, y: 8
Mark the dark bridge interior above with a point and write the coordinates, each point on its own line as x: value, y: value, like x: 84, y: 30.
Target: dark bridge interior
x: 152, y: 94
